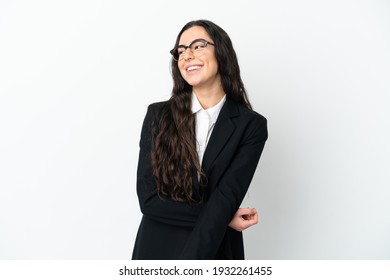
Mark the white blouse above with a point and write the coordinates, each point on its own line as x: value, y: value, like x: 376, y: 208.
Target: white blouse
x: 204, y: 123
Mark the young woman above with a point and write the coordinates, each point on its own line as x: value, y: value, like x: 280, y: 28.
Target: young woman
x: 198, y: 153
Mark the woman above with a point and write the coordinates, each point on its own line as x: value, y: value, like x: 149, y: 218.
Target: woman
x: 198, y: 153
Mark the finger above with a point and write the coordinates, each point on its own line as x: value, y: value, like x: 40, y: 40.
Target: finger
x: 248, y: 217
x: 248, y: 223
x: 245, y: 211
x: 248, y: 210
x: 255, y: 217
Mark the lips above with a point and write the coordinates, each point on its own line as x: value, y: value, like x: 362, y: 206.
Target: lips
x: 193, y: 68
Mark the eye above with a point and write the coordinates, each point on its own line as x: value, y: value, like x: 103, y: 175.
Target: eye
x: 181, y: 51
x: 198, y: 46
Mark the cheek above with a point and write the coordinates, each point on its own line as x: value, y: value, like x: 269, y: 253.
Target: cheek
x: 182, y: 71
x: 183, y: 75
x: 216, y: 64
x: 216, y: 68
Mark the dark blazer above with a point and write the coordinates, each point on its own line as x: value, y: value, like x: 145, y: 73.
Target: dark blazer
x: 176, y: 230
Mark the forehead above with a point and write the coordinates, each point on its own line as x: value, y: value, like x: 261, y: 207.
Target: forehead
x: 195, y: 32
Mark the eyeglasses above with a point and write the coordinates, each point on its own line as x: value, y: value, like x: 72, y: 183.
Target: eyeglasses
x: 197, y: 48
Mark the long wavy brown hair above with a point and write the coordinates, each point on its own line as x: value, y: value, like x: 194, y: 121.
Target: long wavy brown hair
x: 174, y: 157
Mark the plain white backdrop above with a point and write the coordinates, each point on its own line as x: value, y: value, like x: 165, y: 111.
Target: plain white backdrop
x: 75, y: 81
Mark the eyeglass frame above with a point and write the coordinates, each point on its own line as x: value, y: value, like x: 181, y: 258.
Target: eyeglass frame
x: 174, y: 50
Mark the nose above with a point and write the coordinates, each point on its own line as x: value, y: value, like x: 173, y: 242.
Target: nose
x: 188, y: 54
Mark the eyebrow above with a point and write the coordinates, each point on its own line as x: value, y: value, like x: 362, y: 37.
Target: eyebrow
x: 182, y: 45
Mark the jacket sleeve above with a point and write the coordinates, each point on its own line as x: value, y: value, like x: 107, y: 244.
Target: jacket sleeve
x: 164, y: 210
x: 227, y: 196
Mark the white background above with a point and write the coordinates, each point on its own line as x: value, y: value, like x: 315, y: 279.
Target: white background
x: 76, y: 78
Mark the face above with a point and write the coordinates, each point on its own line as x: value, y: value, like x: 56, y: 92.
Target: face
x: 200, y: 71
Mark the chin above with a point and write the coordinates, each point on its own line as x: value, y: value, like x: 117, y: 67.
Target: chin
x: 193, y: 83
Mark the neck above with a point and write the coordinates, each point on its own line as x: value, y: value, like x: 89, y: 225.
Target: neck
x: 209, y: 97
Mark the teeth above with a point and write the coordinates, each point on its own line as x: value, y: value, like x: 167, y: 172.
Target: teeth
x: 193, y: 68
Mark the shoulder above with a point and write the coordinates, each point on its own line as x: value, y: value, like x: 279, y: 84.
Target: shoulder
x: 252, y: 114
x: 157, y: 106
x: 156, y: 109
x: 153, y: 111
x: 249, y: 121
x: 245, y: 113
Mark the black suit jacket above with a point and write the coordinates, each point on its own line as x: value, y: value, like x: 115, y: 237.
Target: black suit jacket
x: 176, y: 230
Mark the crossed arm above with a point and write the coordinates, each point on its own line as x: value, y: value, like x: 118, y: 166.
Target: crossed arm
x: 208, y: 220
x: 169, y: 211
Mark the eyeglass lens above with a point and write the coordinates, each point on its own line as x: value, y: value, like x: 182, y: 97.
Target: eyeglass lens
x: 196, y: 48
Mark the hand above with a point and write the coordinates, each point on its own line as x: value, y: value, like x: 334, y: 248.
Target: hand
x: 244, y: 218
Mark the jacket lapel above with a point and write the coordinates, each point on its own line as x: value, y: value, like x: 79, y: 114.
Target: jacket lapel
x: 224, y: 128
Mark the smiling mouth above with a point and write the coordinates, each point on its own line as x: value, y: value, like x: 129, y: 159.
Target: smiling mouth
x: 192, y: 68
